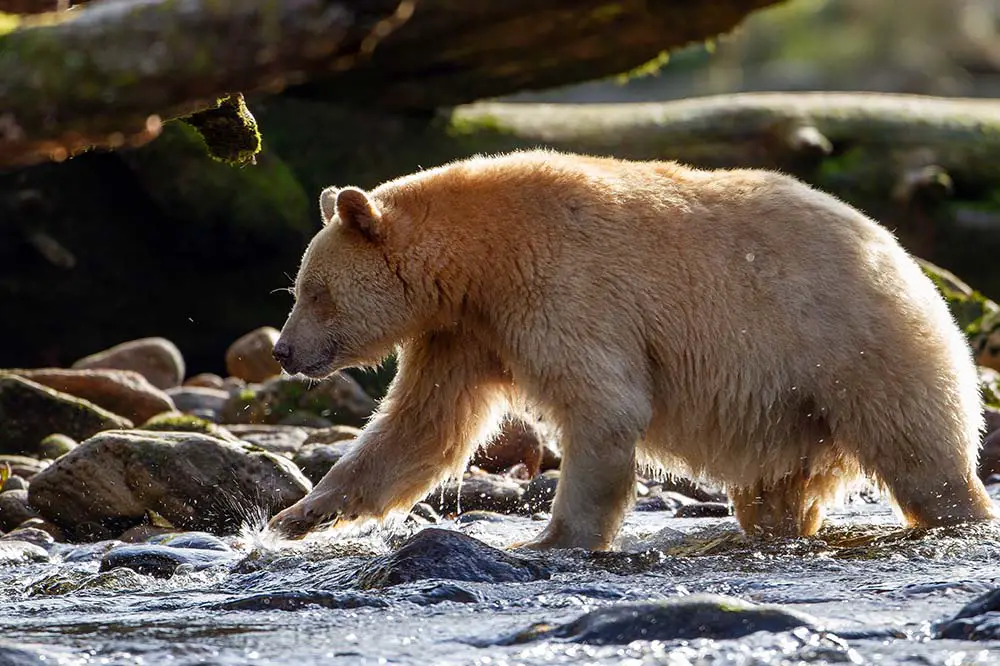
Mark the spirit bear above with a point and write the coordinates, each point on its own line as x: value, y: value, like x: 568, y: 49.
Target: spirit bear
x: 737, y: 326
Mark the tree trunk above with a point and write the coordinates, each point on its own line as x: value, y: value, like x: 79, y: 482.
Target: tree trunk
x: 106, y: 74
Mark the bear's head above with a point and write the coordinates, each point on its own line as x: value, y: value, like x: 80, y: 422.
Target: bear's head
x: 350, y: 305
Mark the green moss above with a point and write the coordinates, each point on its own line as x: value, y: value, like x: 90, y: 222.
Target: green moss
x: 649, y: 68
x: 179, y: 422
x: 989, y: 386
x: 974, y: 313
x: 229, y: 131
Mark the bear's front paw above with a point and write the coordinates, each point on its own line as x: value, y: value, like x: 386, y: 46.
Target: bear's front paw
x: 308, y: 513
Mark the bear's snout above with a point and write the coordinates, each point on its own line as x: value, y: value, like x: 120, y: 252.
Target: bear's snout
x: 282, y: 352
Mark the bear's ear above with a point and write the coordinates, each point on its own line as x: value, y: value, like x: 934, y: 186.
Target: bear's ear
x: 358, y: 212
x: 328, y: 203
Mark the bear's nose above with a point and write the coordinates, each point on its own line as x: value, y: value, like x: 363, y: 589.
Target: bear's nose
x: 282, y: 352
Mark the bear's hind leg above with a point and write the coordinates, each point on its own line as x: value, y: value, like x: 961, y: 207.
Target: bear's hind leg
x: 792, y: 506
x: 930, y: 490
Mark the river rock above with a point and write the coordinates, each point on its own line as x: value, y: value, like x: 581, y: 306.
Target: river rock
x: 704, y: 510
x: 14, y: 482
x: 338, y: 399
x: 989, y: 456
x: 23, y: 466
x: 156, y: 359
x: 332, y: 435
x: 30, y: 412
x: 180, y: 422
x: 196, y: 540
x: 14, y: 509
x: 992, y: 416
x: 205, y: 380
x: 14, y: 551
x: 55, y: 446
x: 685, y: 618
x: 516, y: 443
x: 292, y: 600
x: 195, y: 481
x: 438, y: 553
x: 315, y: 460
x: 274, y: 438
x: 689, y: 488
x: 161, y: 561
x: 978, y: 620
x: 200, y: 400
x: 541, y: 490
x: 29, y: 533
x: 479, y: 492
x: 250, y: 356
x: 124, y: 392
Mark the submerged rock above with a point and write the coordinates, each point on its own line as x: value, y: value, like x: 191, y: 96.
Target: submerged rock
x: 250, y: 356
x: 161, y: 561
x: 292, y: 600
x: 978, y: 620
x: 478, y: 492
x: 15, y: 551
x: 156, y: 359
x: 684, y: 618
x: 195, y: 481
x: 438, y: 553
x: 31, y: 412
x: 124, y: 392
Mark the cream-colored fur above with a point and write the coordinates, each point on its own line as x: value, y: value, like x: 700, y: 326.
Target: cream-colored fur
x: 734, y: 325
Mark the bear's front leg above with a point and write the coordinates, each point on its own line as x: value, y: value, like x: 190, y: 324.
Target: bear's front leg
x: 443, y: 401
x: 596, y: 486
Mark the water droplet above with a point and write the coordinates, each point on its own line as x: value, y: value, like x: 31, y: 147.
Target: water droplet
x: 750, y: 256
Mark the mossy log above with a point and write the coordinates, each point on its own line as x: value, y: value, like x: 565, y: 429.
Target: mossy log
x: 107, y: 74
x: 924, y: 166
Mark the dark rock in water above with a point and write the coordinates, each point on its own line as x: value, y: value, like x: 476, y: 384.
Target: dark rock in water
x: 979, y: 620
x: 541, y: 491
x: 274, y: 438
x: 478, y: 492
x: 41, y: 526
x: 298, y: 599
x: 315, y: 460
x: 424, y: 594
x: 989, y: 456
x: 161, y: 561
x: 697, y: 616
x: 156, y: 359
x: 516, y: 443
x: 14, y: 509
x: 199, y: 399
x: 438, y: 553
x: 31, y: 412
x: 704, y: 510
x: 91, y: 552
x: 195, y: 481
x: 194, y: 540
x: 338, y: 399
x: 692, y: 489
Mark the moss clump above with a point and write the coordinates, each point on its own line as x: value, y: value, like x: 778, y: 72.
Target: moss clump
x: 975, y: 314
x: 989, y: 386
x: 181, y: 422
x: 229, y: 130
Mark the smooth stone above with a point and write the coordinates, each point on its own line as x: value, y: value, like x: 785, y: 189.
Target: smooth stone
x: 704, y: 510
x: 435, y: 553
x: 156, y: 359
x: 14, y: 482
x: 315, y: 460
x: 282, y: 439
x: 193, y: 540
x: 14, y: 551
x: 189, y: 399
x: 161, y: 561
x: 540, y: 491
x: 685, y: 618
x: 978, y: 620
x: 14, y: 509
x: 293, y: 600
x: 478, y: 492
x: 250, y: 357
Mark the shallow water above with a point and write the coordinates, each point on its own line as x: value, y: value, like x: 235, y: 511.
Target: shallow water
x: 877, y: 588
